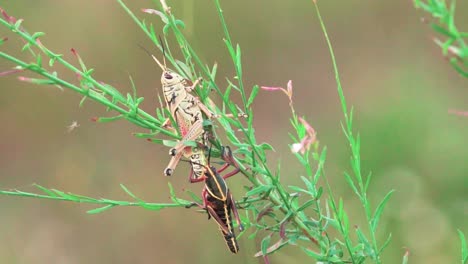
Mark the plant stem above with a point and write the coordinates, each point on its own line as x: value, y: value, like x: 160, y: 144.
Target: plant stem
x: 353, y: 142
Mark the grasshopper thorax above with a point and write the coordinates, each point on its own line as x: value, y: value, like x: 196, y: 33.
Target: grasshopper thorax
x: 215, y: 184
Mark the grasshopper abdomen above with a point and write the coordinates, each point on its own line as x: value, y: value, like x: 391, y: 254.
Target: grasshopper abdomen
x: 223, y: 210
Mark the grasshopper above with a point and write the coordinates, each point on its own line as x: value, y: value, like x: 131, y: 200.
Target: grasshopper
x: 186, y: 109
x: 219, y: 203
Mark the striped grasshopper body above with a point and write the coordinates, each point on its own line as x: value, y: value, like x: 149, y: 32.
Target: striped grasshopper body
x: 186, y: 109
x: 219, y: 203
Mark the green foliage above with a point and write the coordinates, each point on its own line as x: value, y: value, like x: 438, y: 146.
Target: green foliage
x: 453, y: 45
x: 103, y: 203
x: 276, y: 212
x: 464, y: 247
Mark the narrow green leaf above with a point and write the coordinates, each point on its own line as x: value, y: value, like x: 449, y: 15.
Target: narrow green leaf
x: 64, y: 195
x: 305, y: 205
x: 180, y: 23
x: 190, y: 143
x: 194, y: 197
x: 238, y: 60
x: 153, y: 32
x: 166, y: 28
x: 253, y: 235
x: 321, y: 162
x: 52, y: 61
x: 129, y: 99
x: 233, y: 85
x: 154, y: 207
x: 169, y: 143
x: 18, y: 24
x: 362, y: 238
x: 319, y: 193
x: 259, y: 189
x: 309, y: 185
x: 185, y: 69
x: 26, y: 47
x: 378, y: 211
x: 129, y: 192
x: 227, y: 93
x: 39, y: 60
x: 253, y: 95
x: 36, y: 35
x: 301, y: 159
x: 462, y: 72
x: 146, y: 135
x: 451, y: 17
x: 171, y: 190
x: 157, y: 140
x: 340, y: 209
x: 45, y: 190
x: 385, y: 244
x: 298, y: 189
x: 345, y: 222
x: 100, y: 209
x: 464, y: 247
x: 266, y: 146
x: 313, y: 254
x: 442, y: 31
x: 351, y: 184
x: 109, y: 119
x: 368, y: 180
x: 265, y: 243
x: 214, y: 71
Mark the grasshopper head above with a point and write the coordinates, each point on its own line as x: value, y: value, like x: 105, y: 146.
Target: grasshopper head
x: 168, y: 77
x: 173, y: 85
x: 172, y: 79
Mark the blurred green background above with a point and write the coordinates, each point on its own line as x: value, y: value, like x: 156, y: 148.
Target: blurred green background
x: 396, y: 78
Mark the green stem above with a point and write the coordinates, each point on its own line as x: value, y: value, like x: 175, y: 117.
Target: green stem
x: 353, y: 142
x: 89, y: 200
x: 142, y: 118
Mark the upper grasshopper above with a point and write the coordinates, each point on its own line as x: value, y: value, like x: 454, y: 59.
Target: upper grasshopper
x: 186, y: 110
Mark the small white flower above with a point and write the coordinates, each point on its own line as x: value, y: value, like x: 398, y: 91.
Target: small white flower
x: 296, y: 147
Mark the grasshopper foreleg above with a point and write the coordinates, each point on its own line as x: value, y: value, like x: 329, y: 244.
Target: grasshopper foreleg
x: 191, y: 88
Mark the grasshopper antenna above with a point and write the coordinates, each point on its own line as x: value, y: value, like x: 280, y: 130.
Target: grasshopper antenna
x: 163, y: 50
x: 163, y: 67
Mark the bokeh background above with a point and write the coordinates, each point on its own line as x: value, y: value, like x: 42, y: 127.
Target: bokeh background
x: 396, y: 78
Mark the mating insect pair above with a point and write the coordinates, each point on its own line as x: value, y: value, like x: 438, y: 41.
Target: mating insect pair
x: 187, y: 111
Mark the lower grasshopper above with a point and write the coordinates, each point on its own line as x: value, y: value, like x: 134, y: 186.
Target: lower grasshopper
x: 219, y: 203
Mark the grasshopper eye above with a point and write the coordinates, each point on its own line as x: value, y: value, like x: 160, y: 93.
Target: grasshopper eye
x: 167, y: 76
